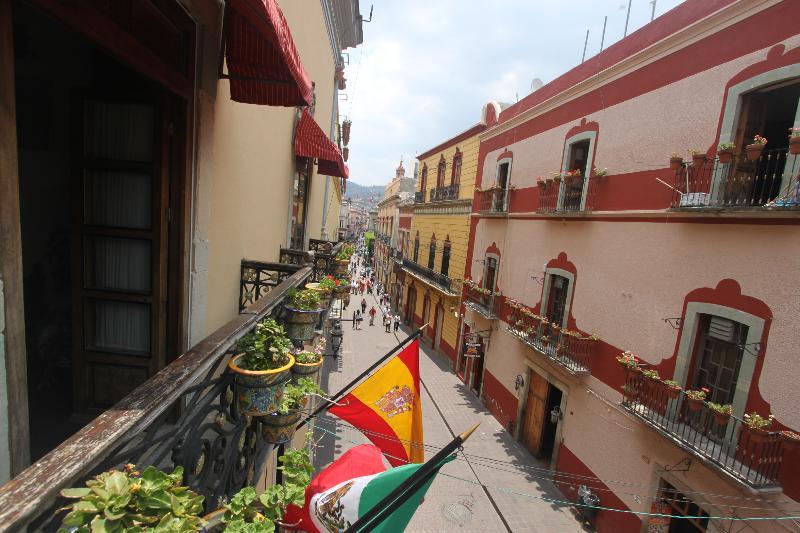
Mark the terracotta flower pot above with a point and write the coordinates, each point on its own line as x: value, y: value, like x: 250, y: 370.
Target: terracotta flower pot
x: 259, y: 391
x: 754, y: 151
x: 721, y: 419
x: 725, y: 156
x: 672, y: 392
x: 699, y: 160
x: 791, y: 443
x: 794, y: 145
x: 675, y: 163
x: 757, y: 435
x: 305, y: 369
x: 693, y: 405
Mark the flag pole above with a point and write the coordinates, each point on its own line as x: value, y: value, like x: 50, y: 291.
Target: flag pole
x: 344, y: 390
x: 383, y: 509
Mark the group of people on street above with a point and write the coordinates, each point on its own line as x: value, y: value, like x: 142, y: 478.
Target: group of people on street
x: 366, y: 283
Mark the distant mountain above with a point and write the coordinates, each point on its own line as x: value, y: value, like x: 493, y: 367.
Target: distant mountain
x: 363, y: 192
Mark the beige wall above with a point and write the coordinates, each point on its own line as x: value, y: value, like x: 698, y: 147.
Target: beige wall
x: 245, y: 175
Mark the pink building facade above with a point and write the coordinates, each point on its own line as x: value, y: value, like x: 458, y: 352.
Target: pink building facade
x: 690, y: 268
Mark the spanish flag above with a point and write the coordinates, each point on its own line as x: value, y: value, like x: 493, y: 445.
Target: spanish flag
x: 388, y: 409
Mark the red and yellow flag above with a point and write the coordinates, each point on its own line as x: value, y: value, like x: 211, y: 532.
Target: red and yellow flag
x: 388, y: 408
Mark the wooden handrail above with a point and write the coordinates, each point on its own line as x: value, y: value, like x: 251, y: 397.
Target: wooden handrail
x: 37, y: 487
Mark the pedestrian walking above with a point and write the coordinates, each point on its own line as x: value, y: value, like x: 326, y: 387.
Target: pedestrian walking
x: 396, y: 322
x: 387, y: 323
x: 372, y: 313
x: 363, y: 305
x: 359, y: 318
x: 355, y: 315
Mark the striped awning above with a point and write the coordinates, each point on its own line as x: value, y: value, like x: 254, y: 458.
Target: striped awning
x: 263, y: 64
x: 311, y: 141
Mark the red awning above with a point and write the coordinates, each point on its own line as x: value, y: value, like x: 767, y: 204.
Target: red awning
x: 311, y: 141
x: 263, y: 64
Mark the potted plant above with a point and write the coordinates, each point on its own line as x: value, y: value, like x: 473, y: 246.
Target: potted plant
x: 698, y: 157
x: 755, y: 148
x: 758, y: 426
x: 302, y: 313
x: 629, y: 362
x: 279, y: 427
x: 630, y: 391
x: 341, y: 289
x: 722, y: 413
x: 675, y: 162
x: 794, y: 141
x: 309, y: 362
x: 125, y: 500
x: 651, y: 375
x: 673, y: 388
x: 325, y: 288
x: 545, y: 341
x: 261, y: 368
x: 695, y: 399
x: 791, y: 440
x: 342, y: 260
x: 725, y: 152
x: 600, y: 172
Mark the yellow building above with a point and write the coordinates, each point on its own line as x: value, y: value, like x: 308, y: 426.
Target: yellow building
x: 400, y: 189
x: 436, y: 256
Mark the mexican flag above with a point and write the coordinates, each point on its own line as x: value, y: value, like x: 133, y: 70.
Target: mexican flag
x: 351, y: 486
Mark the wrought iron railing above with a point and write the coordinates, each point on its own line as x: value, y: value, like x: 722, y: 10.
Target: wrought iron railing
x: 493, y: 201
x: 445, y: 193
x: 487, y: 305
x: 570, y: 349
x: 321, y: 262
x: 447, y: 284
x: 321, y: 246
x: 419, y: 197
x: 771, y: 181
x: 567, y: 194
x: 727, y: 445
x: 184, y: 415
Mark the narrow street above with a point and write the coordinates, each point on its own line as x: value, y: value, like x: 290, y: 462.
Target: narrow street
x: 491, y: 457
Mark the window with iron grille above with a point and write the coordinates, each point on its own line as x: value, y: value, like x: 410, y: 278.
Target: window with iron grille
x: 440, y: 171
x: 446, y: 258
x: 416, y: 248
x: 432, y: 253
x: 423, y: 180
x: 455, y: 178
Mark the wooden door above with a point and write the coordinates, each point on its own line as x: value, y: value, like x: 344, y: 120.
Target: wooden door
x: 120, y: 247
x: 752, y: 119
x: 535, y: 413
x: 437, y: 328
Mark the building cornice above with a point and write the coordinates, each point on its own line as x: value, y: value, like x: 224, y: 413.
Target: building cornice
x: 716, y: 21
x: 466, y: 134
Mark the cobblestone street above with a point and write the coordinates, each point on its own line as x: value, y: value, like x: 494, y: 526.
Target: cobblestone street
x: 494, y: 458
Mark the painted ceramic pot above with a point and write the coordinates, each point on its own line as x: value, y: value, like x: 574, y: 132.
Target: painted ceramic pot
x: 306, y: 369
x: 340, y: 266
x: 279, y: 428
x: 300, y: 323
x: 259, y: 392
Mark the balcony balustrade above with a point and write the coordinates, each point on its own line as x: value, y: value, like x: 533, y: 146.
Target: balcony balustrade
x: 185, y: 415
x: 567, y: 194
x: 493, y: 201
x: 769, y: 182
x: 728, y: 446
x: 446, y: 193
x: 445, y: 283
x: 569, y: 349
x: 419, y: 197
x: 487, y: 305
x: 322, y: 263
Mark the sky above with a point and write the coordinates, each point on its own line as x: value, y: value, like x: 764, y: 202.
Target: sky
x: 427, y: 67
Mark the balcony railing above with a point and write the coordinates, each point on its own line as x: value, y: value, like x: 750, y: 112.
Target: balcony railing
x: 322, y: 263
x: 184, y: 415
x: 487, y: 305
x: 447, y: 284
x: 493, y: 201
x: 728, y: 446
x: 567, y: 194
x: 570, y: 349
x: 445, y: 194
x: 419, y: 197
x: 770, y: 182
x: 397, y: 255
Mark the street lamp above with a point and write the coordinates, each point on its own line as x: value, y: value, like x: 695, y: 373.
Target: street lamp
x: 336, y: 337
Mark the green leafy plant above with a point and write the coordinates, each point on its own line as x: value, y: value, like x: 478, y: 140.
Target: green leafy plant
x: 117, y: 501
x: 265, y: 348
x: 293, y: 395
x: 250, y: 512
x: 307, y: 358
x: 600, y: 172
x: 628, y: 360
x: 723, y: 409
x: 694, y: 152
x: 756, y: 421
x: 726, y: 146
x: 327, y: 284
x: 305, y: 300
x: 794, y: 133
x: 671, y: 384
x: 698, y: 395
x: 651, y: 374
x: 346, y: 252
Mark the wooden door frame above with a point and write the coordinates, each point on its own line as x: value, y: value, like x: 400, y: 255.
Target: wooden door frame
x: 554, y: 381
x: 11, y: 273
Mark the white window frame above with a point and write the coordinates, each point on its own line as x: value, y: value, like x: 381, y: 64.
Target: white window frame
x: 591, y: 136
x: 500, y: 162
x: 733, y: 110
x: 548, y: 280
x: 691, y: 328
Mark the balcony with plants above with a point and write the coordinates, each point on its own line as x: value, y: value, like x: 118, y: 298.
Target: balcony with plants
x: 493, y: 201
x: 745, y: 449
x: 419, y: 197
x: 445, y: 193
x: 482, y: 300
x: 572, y: 350
x: 431, y: 277
x: 568, y: 192
x: 757, y: 178
x: 200, y: 433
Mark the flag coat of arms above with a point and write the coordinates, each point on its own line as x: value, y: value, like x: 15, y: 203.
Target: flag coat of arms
x: 387, y: 407
x: 349, y: 487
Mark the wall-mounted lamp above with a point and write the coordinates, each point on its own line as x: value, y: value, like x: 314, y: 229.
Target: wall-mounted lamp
x: 519, y: 382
